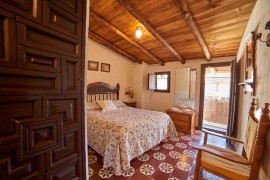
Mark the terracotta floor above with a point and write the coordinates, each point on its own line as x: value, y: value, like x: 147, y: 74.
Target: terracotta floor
x: 172, y: 159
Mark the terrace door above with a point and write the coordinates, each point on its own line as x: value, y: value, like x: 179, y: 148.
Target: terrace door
x: 216, y: 103
x: 41, y: 80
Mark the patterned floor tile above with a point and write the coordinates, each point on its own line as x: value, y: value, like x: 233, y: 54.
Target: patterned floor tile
x: 172, y: 159
x: 147, y: 169
x: 144, y: 157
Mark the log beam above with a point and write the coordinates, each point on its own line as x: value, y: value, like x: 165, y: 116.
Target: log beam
x: 147, y: 25
x: 183, y: 8
x: 112, y: 47
x: 121, y: 34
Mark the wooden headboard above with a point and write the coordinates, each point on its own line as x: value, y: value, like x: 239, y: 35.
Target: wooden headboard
x: 102, y: 91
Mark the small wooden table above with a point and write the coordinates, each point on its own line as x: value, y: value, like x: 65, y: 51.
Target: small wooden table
x: 131, y: 104
x: 184, y: 122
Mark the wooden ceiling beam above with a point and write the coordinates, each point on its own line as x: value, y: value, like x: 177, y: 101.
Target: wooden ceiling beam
x: 183, y: 8
x: 121, y: 34
x: 112, y: 47
x: 148, y: 26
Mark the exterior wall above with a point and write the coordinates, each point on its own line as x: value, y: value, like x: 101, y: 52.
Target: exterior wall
x: 257, y: 21
x: 121, y: 69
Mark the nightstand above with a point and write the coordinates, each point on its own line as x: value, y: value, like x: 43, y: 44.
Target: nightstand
x: 184, y: 122
x: 131, y: 104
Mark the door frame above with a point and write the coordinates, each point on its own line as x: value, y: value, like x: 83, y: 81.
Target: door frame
x: 201, y: 103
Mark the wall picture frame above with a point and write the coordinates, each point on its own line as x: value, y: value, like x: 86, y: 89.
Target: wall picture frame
x: 105, y: 67
x: 93, y: 65
x: 249, y: 58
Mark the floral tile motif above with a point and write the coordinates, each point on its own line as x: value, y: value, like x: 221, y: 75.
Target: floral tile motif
x: 174, y: 154
x: 174, y: 139
x: 106, y: 172
x: 168, y: 146
x: 181, y: 145
x: 156, y: 148
x: 186, y: 138
x: 147, y: 169
x: 90, y: 172
x: 159, y: 156
x: 189, y: 153
x: 183, y: 166
x: 195, y: 137
x: 190, y: 143
x: 92, y: 159
x: 144, y: 157
x: 166, y: 168
x: 128, y: 172
x: 157, y: 164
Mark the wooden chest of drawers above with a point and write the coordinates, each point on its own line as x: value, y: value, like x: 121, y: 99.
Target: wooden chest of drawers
x: 184, y: 122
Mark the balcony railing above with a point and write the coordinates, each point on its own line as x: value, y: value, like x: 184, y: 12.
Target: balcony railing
x: 216, y: 111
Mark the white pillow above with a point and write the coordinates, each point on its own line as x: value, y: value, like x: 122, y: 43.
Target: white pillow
x: 107, y: 105
x: 118, y: 103
x: 93, y: 106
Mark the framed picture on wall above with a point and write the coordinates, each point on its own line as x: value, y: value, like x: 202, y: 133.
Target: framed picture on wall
x: 105, y: 67
x: 249, y: 58
x: 93, y: 66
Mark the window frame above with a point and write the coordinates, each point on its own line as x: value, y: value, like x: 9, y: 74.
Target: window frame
x: 168, y: 82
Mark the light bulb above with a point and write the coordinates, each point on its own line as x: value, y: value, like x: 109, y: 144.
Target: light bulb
x: 138, y: 32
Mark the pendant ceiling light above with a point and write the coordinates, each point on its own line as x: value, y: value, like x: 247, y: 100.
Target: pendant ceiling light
x: 138, y: 32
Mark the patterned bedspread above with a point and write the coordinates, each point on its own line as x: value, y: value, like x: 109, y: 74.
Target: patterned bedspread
x: 126, y: 133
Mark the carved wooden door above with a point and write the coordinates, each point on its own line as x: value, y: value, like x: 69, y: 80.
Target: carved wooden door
x: 41, y: 62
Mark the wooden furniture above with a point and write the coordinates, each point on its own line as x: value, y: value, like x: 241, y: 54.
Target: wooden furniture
x: 184, y: 122
x: 131, y: 104
x: 229, y: 164
x: 130, y: 118
x: 102, y: 91
x: 42, y: 62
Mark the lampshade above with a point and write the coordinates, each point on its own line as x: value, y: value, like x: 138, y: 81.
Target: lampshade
x: 138, y: 32
x: 247, y: 88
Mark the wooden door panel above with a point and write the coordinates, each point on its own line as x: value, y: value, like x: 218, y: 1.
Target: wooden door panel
x: 70, y: 170
x: 70, y: 76
x: 72, y: 6
x: 40, y: 60
x: 60, y: 20
x: 36, y: 137
x: 34, y: 35
x: 27, y: 8
x: 10, y: 168
x: 70, y: 148
x: 41, y: 129
x: 16, y: 108
x: 20, y: 81
x: 68, y: 106
x: 7, y: 39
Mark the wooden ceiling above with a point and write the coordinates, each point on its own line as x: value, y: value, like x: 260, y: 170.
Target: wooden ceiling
x: 173, y: 30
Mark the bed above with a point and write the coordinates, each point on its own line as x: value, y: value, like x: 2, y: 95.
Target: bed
x: 125, y: 133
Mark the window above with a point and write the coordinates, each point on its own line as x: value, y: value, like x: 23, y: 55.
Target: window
x: 159, y: 82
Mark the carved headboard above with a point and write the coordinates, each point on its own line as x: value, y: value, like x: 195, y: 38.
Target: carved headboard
x: 102, y: 91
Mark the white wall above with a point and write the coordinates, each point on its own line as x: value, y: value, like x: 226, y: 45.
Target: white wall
x: 121, y: 69
x: 257, y: 21
x: 162, y: 101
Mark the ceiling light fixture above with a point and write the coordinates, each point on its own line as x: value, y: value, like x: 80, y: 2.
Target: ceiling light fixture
x: 138, y: 32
